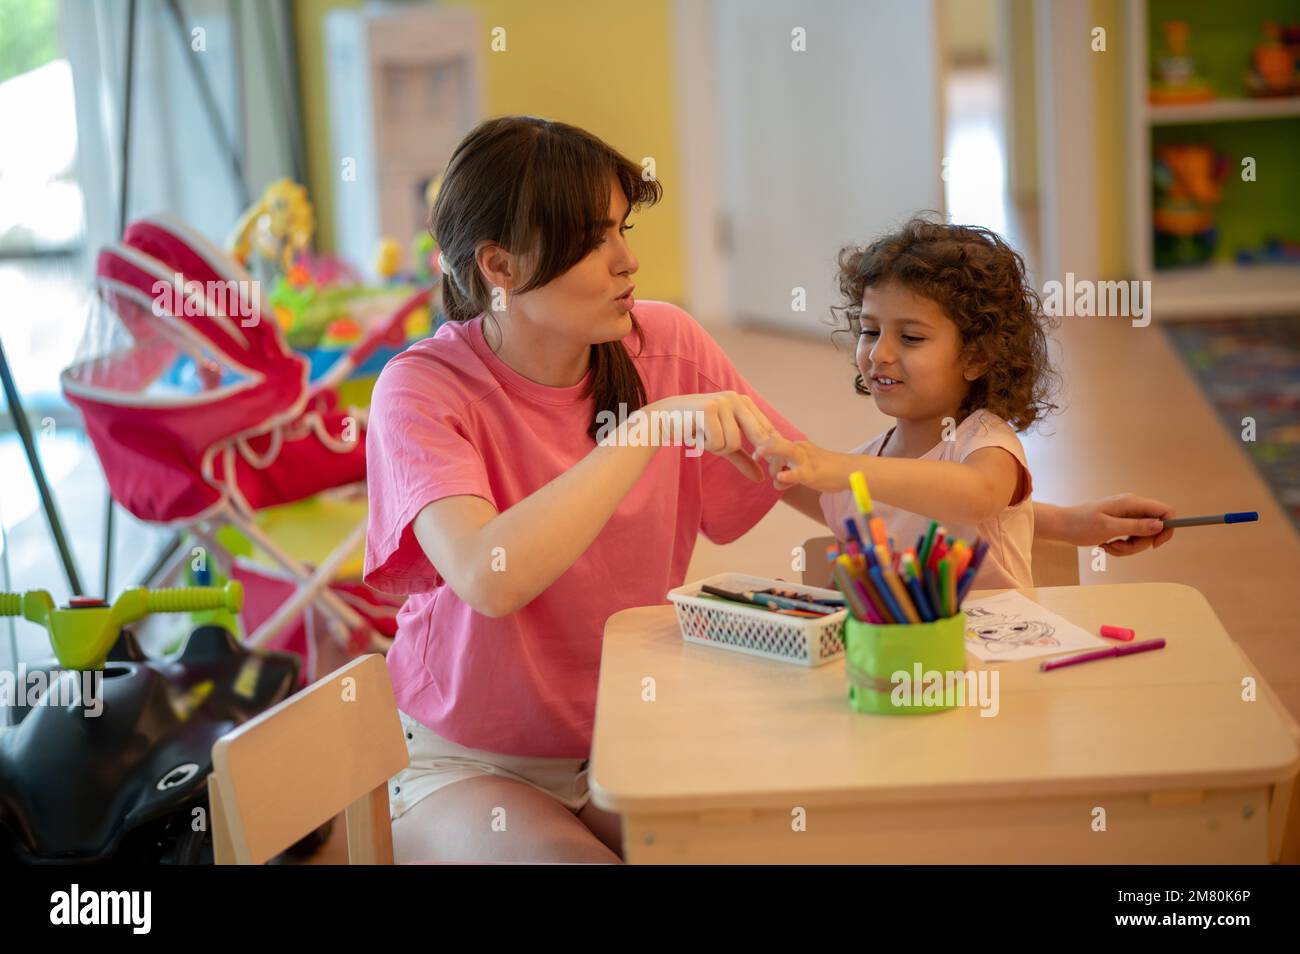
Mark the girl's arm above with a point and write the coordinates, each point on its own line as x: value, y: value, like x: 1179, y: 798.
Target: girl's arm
x: 1085, y: 525
x: 541, y: 536
x: 804, y: 499
x: 970, y: 492
x: 1096, y: 521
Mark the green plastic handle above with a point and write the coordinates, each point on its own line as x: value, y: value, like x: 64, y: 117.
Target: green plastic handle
x: 82, y: 637
x: 192, y: 599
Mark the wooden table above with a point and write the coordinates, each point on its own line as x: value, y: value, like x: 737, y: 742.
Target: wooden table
x: 736, y: 754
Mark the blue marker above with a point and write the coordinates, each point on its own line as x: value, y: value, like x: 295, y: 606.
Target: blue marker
x: 882, y: 588
x: 918, y: 597
x: 1249, y: 516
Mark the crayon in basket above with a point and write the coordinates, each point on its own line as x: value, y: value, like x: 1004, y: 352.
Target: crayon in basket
x: 776, y: 604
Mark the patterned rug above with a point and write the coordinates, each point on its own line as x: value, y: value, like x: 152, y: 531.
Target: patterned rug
x: 1251, y: 368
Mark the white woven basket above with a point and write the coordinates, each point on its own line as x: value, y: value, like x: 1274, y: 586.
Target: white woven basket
x: 748, y: 629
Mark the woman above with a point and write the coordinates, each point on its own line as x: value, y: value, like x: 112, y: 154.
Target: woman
x: 517, y: 532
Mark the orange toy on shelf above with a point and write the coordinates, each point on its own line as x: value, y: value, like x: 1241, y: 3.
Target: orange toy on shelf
x: 1273, y: 66
x: 1176, y: 80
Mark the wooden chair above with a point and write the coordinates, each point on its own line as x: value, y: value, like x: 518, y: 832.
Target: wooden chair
x: 331, y: 748
x: 1055, y: 563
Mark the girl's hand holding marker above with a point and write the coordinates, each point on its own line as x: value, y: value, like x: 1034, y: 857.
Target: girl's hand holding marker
x: 1169, y: 525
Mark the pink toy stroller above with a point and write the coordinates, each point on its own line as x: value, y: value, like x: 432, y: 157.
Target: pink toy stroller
x: 201, y: 415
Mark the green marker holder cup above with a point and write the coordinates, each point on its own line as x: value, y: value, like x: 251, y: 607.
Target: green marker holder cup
x: 874, y: 653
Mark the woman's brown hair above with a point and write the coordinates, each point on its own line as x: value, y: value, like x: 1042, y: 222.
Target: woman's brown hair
x: 539, y: 189
x: 979, y: 281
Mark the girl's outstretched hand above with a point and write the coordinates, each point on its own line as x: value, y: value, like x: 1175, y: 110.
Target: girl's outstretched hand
x: 1137, y: 520
x: 801, y: 462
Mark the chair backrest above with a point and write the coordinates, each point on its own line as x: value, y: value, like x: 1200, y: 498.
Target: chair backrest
x: 816, y: 571
x: 1054, y: 563
x: 333, y: 747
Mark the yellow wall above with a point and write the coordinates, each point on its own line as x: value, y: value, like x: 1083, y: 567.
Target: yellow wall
x: 610, y: 72
x: 1110, y: 139
x: 1023, y: 125
x: 968, y: 30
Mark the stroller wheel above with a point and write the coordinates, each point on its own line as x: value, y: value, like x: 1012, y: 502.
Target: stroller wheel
x: 171, y: 841
x: 193, y: 848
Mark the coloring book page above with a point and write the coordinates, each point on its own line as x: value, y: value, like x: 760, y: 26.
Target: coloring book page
x: 1011, y: 626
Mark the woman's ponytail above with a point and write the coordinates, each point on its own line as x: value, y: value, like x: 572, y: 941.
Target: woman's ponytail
x: 455, y: 305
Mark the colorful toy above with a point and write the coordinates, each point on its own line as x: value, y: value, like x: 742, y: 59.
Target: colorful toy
x: 1176, y: 80
x: 1274, y: 251
x: 1187, y: 180
x: 1291, y: 40
x: 210, y: 457
x: 112, y: 762
x: 1273, y: 66
x: 320, y: 304
x: 388, y: 260
x: 279, y: 226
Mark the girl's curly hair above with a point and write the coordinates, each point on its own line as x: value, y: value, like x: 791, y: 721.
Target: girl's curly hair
x: 979, y: 281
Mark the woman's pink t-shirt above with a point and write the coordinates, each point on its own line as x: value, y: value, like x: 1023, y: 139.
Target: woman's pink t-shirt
x: 448, y: 417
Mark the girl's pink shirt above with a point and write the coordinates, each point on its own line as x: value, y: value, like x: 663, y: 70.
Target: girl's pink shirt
x: 1010, y: 532
x: 448, y: 417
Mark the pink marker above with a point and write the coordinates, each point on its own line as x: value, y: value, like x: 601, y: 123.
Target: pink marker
x: 1141, y: 647
x: 1118, y: 632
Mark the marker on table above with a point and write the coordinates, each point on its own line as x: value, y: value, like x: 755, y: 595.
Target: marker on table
x: 1126, y: 650
x: 1245, y: 516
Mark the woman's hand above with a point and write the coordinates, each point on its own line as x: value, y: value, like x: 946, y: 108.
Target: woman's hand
x: 802, y: 462
x: 1139, y: 520
x: 719, y: 423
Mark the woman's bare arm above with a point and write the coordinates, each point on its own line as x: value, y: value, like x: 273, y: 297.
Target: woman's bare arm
x: 498, y: 562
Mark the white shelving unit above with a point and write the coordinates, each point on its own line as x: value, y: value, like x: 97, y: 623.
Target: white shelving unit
x: 1224, y: 110
x: 1218, y: 289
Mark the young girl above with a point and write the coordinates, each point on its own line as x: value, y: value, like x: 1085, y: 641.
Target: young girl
x: 951, y: 343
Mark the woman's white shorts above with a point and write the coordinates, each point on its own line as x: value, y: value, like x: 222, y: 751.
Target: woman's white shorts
x: 437, y: 762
